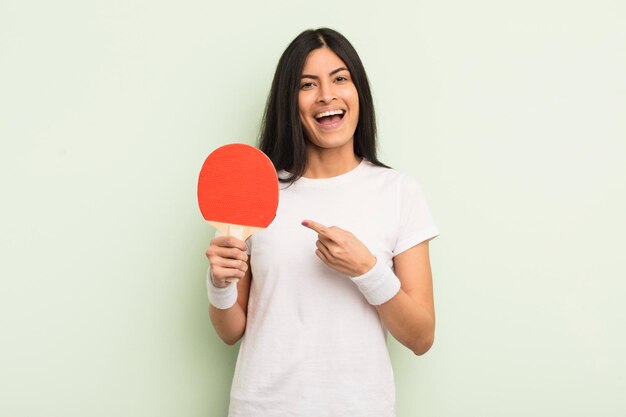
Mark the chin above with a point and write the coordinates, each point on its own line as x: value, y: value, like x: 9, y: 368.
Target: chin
x: 332, y: 144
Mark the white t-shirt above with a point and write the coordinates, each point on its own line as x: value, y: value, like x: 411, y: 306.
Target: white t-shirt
x: 313, y: 346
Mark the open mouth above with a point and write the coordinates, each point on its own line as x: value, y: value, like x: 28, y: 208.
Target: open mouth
x: 330, y: 118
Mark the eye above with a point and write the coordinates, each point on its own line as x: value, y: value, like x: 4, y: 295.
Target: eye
x: 306, y: 85
x: 341, y: 78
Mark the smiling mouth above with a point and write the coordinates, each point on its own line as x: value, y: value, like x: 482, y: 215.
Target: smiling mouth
x: 329, y: 119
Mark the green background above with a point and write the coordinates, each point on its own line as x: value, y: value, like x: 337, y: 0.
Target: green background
x: 512, y: 116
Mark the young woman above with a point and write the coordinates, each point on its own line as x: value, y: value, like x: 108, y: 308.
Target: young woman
x: 345, y: 260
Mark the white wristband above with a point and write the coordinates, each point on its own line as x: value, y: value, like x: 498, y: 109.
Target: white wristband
x: 222, y: 298
x: 379, y: 284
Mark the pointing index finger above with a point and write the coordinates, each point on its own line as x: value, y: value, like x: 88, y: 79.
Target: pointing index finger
x: 317, y: 227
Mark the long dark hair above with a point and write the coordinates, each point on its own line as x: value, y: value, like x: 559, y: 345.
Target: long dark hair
x: 282, y: 136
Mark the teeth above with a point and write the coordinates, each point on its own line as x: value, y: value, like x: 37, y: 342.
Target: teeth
x: 329, y: 113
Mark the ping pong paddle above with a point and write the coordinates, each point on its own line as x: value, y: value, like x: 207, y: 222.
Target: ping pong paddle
x: 238, y: 191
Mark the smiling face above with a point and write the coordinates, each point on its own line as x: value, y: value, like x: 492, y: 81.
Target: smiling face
x: 328, y: 101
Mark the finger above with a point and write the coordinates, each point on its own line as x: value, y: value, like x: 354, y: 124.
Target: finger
x: 230, y: 263
x: 324, y: 250
x: 321, y: 246
x: 233, y: 253
x: 224, y: 273
x: 328, y: 238
x: 230, y: 242
x: 323, y: 257
x: 226, y: 252
x: 315, y: 226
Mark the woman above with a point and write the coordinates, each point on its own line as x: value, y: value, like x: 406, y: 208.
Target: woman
x: 345, y: 260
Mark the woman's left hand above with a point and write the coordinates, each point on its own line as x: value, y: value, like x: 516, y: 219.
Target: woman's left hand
x: 341, y: 250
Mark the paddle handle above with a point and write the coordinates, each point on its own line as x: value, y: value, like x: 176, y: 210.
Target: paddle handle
x: 240, y: 232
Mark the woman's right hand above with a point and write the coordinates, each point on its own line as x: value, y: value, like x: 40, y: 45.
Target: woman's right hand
x: 228, y: 258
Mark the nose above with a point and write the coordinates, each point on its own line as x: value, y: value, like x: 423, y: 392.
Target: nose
x: 326, y: 94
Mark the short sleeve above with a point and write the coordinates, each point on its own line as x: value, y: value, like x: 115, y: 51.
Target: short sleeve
x: 248, y: 242
x: 415, y: 221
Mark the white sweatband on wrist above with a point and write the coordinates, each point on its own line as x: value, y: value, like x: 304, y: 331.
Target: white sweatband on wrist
x: 222, y: 298
x: 379, y: 284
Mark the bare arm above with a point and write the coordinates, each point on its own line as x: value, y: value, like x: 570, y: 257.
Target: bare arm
x: 410, y: 314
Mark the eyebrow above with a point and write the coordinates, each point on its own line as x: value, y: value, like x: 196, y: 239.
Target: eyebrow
x: 333, y: 72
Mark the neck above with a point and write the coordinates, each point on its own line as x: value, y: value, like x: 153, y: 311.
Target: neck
x: 327, y: 163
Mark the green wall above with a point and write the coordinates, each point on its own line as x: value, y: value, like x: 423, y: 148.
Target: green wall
x: 510, y: 114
